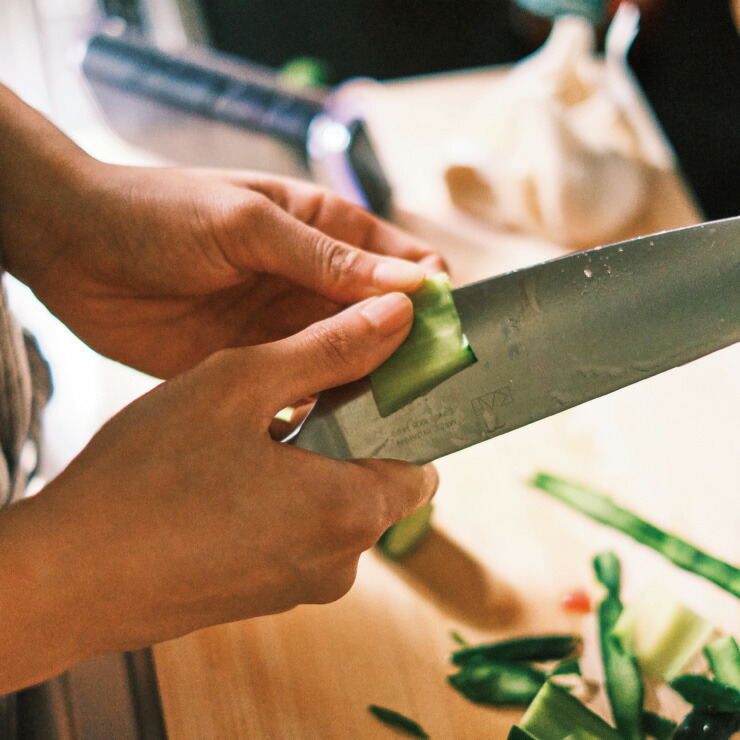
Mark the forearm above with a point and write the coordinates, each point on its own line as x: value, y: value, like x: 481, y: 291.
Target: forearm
x: 43, y: 609
x: 39, y: 168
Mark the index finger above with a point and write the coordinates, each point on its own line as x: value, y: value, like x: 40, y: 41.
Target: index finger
x: 345, y: 221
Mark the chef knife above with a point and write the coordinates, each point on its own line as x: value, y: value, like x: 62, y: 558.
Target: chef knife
x: 550, y: 337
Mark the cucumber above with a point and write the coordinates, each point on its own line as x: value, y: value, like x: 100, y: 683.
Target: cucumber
x: 404, y: 537
x: 434, y: 350
x: 661, y: 633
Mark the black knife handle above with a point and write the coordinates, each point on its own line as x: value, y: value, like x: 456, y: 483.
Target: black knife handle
x: 251, y: 101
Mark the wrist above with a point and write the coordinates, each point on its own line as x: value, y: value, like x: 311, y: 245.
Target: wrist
x: 47, y: 621
x: 43, y: 175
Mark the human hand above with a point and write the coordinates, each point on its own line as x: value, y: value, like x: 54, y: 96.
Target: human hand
x: 182, y: 512
x: 158, y: 268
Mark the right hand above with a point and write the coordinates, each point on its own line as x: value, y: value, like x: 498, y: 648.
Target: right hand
x: 182, y: 512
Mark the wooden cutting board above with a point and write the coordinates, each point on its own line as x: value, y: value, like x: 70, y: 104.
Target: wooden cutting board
x: 501, y: 554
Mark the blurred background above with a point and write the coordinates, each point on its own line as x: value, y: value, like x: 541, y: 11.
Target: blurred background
x: 686, y: 58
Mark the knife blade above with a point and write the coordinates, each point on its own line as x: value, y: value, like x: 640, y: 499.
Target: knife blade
x: 550, y: 337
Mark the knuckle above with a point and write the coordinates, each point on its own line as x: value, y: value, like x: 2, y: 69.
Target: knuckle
x: 228, y: 376
x: 241, y: 215
x: 356, y: 526
x: 255, y: 209
x: 335, y: 344
x: 225, y: 366
x: 336, y: 259
x: 315, y: 205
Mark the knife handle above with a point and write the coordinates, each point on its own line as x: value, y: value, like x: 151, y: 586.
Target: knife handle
x: 253, y: 100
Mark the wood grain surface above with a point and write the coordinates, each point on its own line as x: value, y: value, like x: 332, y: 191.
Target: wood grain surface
x: 501, y: 554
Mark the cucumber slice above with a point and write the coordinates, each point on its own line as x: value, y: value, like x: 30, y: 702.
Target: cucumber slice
x: 723, y: 655
x: 402, y: 538
x: 556, y: 714
x: 434, y: 350
x: 537, y: 648
x: 661, y: 633
x: 622, y: 678
x: 517, y: 733
x: 498, y: 683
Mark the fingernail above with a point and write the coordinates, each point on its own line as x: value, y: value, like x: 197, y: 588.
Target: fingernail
x: 432, y: 478
x: 388, y: 312
x: 398, y: 275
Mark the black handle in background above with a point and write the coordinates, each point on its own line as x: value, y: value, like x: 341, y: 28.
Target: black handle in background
x: 256, y: 104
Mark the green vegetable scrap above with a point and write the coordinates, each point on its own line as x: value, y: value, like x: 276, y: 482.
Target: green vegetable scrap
x: 501, y: 673
x: 678, y: 551
x: 397, y: 720
x: 704, y: 694
x: 455, y: 636
x: 556, y: 714
x: 540, y: 649
x: 661, y: 633
x: 723, y: 656
x: 303, y: 72
x: 498, y: 683
x: 517, y: 733
x: 434, y: 350
x: 567, y: 667
x: 657, y: 727
x: 708, y: 726
x: 622, y: 675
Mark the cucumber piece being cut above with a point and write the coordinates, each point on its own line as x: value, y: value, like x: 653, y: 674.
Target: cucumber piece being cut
x: 404, y: 537
x: 434, y: 350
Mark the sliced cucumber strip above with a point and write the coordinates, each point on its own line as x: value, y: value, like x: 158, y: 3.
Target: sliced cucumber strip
x: 661, y: 633
x: 622, y: 677
x: 517, y: 733
x: 707, y: 695
x: 536, y: 648
x: 398, y: 721
x: 723, y: 655
x: 498, y: 683
x: 678, y: 551
x: 556, y: 714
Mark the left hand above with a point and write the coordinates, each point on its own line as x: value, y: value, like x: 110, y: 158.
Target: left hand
x: 159, y: 268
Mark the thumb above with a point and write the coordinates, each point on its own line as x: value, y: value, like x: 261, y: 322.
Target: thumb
x: 335, y: 351
x: 286, y: 246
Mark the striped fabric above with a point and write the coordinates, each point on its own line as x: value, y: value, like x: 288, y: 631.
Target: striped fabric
x: 25, y: 386
x: 15, y: 404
